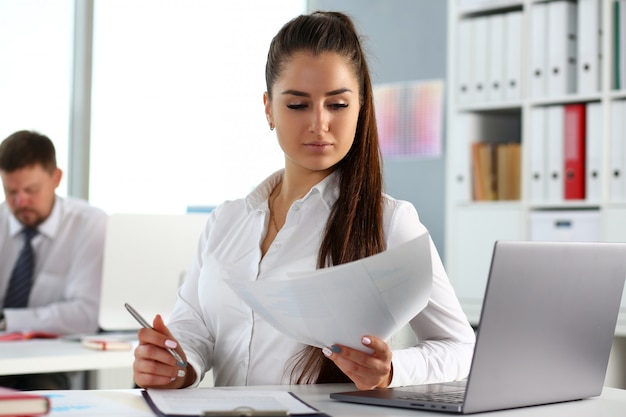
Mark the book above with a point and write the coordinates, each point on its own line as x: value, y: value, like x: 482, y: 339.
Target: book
x: 485, y: 171
x: 20, y: 403
x: 508, y: 174
x: 103, y: 344
x: 479, y: 192
x: 12, y: 336
x: 113, y: 341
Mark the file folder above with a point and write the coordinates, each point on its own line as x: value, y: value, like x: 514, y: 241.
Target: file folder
x: 617, y: 29
x: 617, y: 152
x: 466, y: 125
x: 513, y: 55
x: 538, y: 181
x: 538, y: 52
x: 555, y: 160
x: 594, y: 150
x: 561, y: 57
x: 219, y: 402
x: 495, y: 58
x: 480, y: 59
x: 589, y: 46
x: 465, y: 66
x: 574, y: 152
x: 619, y: 42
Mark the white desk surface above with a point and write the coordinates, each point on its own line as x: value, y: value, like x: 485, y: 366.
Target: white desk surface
x: 129, y: 403
x: 57, y: 355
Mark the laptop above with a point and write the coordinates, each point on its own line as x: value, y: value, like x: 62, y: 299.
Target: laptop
x: 546, y: 329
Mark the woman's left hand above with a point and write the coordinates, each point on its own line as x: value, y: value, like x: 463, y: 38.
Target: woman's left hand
x: 366, y: 370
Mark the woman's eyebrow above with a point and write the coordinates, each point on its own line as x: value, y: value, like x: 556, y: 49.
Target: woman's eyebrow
x: 328, y: 94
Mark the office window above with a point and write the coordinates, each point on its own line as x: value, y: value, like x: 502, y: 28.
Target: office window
x: 36, y: 47
x: 177, y: 102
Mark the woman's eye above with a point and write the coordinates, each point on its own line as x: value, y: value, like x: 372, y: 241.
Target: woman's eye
x: 338, y: 106
x: 296, y: 106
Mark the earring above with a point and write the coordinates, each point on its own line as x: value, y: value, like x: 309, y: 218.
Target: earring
x: 271, y: 126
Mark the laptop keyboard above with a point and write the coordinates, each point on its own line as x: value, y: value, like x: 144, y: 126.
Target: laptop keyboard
x: 438, y: 397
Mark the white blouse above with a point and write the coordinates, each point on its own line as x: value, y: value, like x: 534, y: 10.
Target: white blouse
x: 219, y: 331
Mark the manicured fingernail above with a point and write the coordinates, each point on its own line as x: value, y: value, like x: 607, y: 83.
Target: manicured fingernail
x: 171, y: 344
x: 327, y: 352
x: 181, y: 373
x: 366, y: 341
x: 172, y: 379
x: 335, y: 349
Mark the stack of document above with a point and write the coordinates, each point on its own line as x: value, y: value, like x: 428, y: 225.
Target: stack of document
x: 375, y: 296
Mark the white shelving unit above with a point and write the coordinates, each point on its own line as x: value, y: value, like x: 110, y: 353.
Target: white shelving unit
x: 473, y: 226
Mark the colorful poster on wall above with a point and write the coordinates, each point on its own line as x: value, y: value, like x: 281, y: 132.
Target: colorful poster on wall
x: 410, y: 119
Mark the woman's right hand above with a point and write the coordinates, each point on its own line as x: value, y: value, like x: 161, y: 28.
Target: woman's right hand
x: 154, y: 366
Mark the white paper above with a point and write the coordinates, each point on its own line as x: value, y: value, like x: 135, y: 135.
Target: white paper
x: 375, y: 296
x: 199, y: 400
x: 100, y: 403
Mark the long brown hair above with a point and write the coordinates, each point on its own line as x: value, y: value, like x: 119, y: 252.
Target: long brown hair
x: 354, y: 228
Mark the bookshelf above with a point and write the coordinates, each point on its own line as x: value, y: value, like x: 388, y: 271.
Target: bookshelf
x: 517, y: 70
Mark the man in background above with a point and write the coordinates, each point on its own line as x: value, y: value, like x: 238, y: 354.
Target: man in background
x: 51, y: 251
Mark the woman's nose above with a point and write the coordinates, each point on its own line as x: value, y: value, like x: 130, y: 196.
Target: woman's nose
x: 320, y: 122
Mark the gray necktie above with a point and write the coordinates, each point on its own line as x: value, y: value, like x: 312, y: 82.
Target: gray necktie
x: 22, y: 276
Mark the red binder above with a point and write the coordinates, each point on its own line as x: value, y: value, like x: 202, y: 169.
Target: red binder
x: 574, y: 152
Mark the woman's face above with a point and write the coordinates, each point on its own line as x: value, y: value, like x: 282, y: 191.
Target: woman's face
x: 315, y: 107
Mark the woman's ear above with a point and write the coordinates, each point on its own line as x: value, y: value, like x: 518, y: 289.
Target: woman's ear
x: 268, y: 110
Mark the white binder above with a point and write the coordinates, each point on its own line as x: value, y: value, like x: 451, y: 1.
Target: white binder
x: 465, y: 130
x: 555, y: 160
x: 513, y: 55
x: 617, y: 152
x: 538, y: 52
x: 496, y: 57
x: 589, y: 46
x: 561, y: 57
x: 481, y: 40
x: 594, y: 148
x: 538, y: 183
x: 622, y: 42
x: 465, y: 58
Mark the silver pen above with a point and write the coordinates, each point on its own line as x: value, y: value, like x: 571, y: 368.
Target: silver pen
x: 179, y: 361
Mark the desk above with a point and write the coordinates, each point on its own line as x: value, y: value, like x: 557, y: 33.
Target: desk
x: 129, y: 403
x: 57, y: 355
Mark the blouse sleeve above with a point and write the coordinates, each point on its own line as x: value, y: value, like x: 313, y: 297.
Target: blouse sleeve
x: 186, y: 322
x: 445, y: 339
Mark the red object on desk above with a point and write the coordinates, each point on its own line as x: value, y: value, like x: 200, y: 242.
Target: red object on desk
x: 20, y: 403
x: 8, y: 337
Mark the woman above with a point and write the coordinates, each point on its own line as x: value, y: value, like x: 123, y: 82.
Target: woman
x: 326, y: 207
